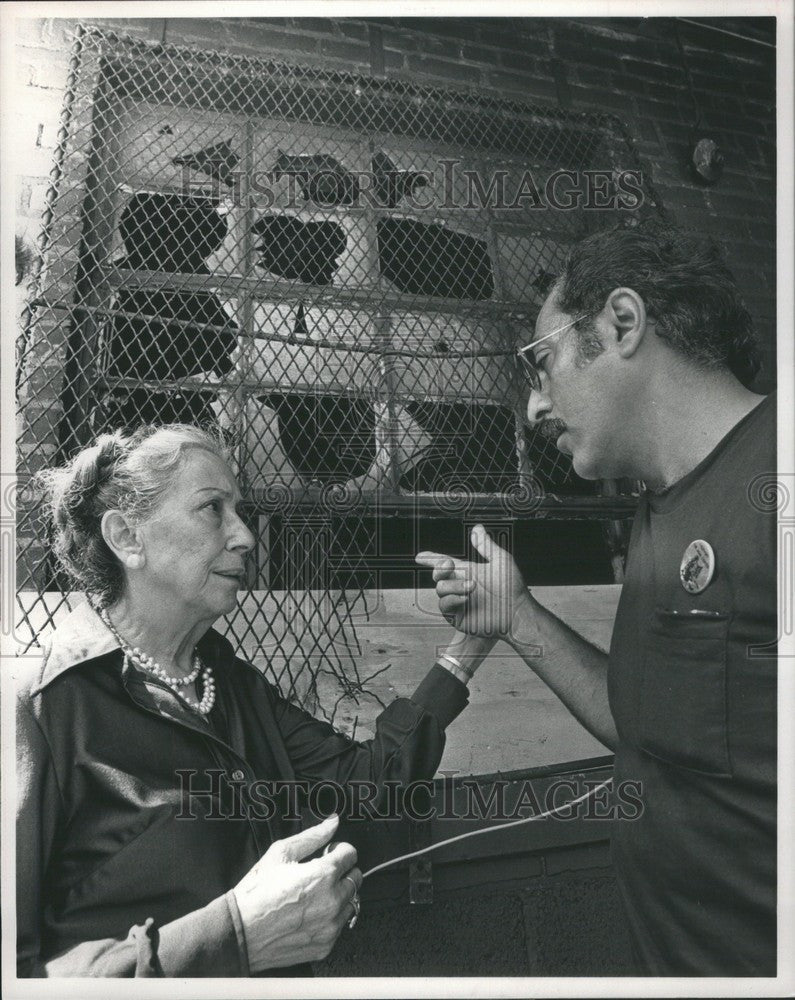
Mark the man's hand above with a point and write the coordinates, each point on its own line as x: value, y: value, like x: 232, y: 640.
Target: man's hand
x: 293, y: 910
x: 490, y: 599
x: 479, y: 598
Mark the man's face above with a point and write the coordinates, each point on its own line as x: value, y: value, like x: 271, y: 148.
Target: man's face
x: 575, y: 405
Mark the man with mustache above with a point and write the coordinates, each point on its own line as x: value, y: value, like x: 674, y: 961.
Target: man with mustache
x: 639, y: 368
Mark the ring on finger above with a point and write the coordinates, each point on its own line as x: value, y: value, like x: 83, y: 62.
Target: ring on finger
x: 355, y: 902
x: 357, y: 909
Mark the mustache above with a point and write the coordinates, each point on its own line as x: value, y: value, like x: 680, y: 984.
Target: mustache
x: 552, y: 428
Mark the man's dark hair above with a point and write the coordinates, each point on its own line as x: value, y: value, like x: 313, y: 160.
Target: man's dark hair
x: 683, y: 279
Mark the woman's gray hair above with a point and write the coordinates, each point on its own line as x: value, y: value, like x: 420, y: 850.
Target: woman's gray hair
x: 130, y: 473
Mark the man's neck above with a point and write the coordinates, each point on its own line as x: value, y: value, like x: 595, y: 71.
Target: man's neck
x: 690, y: 422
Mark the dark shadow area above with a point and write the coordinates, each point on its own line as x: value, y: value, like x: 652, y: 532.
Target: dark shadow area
x: 166, y: 335
x: 426, y: 259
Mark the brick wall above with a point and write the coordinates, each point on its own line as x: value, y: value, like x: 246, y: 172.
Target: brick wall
x: 635, y: 68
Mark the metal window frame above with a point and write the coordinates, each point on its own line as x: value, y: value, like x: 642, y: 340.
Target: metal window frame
x: 117, y: 58
x: 73, y: 289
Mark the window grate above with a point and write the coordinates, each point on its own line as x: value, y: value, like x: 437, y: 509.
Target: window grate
x: 334, y: 270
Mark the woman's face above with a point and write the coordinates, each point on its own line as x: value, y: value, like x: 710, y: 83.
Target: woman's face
x: 195, y: 544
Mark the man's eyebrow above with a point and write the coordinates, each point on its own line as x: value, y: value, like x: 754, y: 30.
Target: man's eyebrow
x: 533, y: 344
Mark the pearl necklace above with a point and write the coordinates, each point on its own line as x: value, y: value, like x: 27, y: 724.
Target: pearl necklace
x: 146, y: 663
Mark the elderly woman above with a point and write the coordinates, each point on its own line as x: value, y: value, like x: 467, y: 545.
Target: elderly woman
x: 124, y: 868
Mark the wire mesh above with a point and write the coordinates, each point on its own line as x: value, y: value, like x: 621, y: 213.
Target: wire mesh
x: 334, y: 270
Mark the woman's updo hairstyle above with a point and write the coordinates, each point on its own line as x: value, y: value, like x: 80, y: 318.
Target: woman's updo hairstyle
x: 130, y: 473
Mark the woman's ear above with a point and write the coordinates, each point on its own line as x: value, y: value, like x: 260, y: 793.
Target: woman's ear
x: 625, y: 310
x: 123, y: 539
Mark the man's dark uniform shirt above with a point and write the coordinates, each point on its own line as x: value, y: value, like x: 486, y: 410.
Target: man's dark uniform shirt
x: 692, y: 684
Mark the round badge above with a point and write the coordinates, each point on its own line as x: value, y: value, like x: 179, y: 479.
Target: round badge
x: 697, y: 567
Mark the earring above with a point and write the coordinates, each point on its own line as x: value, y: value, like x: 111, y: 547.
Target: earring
x: 135, y: 561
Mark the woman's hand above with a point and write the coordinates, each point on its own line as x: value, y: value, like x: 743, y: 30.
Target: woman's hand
x: 479, y: 598
x: 293, y: 910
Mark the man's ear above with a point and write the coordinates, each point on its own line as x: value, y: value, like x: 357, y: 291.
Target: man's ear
x: 123, y: 539
x: 625, y: 311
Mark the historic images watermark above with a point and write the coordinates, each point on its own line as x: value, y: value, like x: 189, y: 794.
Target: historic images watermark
x: 450, y: 185
x: 216, y: 794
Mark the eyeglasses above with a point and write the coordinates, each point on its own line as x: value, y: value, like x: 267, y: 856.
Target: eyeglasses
x: 526, y: 360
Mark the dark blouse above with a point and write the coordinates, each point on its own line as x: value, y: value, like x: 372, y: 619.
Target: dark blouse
x: 135, y: 815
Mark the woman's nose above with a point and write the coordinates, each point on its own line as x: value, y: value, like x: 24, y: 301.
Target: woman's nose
x: 241, y: 537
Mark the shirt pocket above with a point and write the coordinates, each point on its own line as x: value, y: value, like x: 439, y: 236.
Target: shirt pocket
x: 683, y: 691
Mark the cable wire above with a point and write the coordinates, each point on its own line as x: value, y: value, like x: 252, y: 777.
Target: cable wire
x: 725, y: 31
x: 489, y: 829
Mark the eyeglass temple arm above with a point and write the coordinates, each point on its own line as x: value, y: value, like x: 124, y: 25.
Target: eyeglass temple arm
x: 546, y: 336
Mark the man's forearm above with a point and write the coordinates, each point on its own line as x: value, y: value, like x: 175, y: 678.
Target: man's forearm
x: 574, y: 669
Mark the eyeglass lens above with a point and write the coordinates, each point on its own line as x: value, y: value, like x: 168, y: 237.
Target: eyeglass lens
x: 529, y: 370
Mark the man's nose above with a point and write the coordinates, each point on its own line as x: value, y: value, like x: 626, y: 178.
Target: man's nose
x: 538, y: 406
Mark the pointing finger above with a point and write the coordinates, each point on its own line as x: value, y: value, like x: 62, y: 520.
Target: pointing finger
x: 434, y: 560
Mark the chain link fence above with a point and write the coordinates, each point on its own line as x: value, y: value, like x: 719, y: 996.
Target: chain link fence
x: 336, y: 272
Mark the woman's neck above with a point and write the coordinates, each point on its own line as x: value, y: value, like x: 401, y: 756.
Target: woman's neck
x: 169, y: 642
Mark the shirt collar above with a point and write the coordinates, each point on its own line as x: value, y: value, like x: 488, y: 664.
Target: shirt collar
x: 83, y: 636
